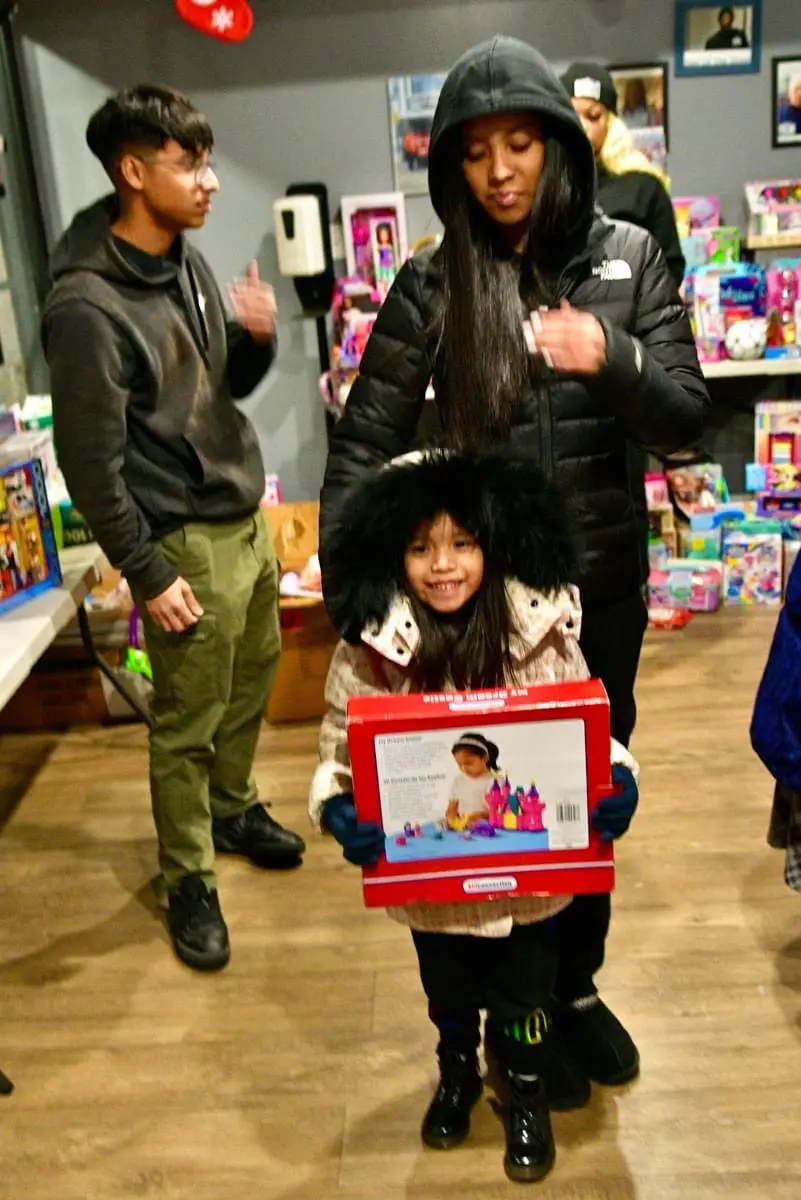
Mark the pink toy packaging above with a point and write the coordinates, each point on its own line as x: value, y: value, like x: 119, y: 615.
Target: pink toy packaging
x: 696, y: 213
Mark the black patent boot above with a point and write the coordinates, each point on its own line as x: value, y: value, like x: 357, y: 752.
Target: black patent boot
x: 447, y: 1121
x: 530, y: 1149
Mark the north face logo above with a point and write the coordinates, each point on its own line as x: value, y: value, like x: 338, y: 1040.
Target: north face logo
x: 611, y: 269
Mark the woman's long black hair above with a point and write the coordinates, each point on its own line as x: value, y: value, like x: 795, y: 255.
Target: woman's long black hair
x: 468, y: 649
x: 483, y: 363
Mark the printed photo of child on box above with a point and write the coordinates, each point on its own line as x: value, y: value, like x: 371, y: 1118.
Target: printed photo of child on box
x: 456, y: 570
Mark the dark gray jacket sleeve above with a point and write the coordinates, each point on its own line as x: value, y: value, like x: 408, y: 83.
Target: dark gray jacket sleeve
x: 652, y: 380
x: 385, y: 402
x: 89, y: 426
x: 248, y: 360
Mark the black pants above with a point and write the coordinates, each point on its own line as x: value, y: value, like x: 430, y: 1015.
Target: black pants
x: 511, y: 977
x: 611, y: 639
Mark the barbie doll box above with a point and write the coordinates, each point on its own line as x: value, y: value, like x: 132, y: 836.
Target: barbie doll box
x: 483, y: 794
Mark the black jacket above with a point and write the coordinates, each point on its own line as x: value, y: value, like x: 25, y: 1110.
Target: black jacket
x: 145, y: 367
x: 643, y: 200
x: 651, y: 389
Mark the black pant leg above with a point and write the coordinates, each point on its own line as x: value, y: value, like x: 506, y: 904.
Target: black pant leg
x: 450, y: 972
x: 611, y: 639
x: 520, y: 971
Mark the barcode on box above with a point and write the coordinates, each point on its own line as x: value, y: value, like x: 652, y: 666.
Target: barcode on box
x: 568, y: 814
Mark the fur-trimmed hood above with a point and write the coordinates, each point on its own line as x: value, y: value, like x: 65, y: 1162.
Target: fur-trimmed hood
x: 501, y: 497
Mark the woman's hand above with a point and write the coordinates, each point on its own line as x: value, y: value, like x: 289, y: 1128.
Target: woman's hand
x: 568, y: 340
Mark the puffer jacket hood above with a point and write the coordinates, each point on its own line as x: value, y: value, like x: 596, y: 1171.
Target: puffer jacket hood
x: 500, y: 497
x: 500, y: 76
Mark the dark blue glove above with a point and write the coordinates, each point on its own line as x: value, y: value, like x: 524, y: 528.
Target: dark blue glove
x: 362, y: 842
x: 613, y: 815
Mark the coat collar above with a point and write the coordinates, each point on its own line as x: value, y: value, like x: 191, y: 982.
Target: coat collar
x: 534, y: 614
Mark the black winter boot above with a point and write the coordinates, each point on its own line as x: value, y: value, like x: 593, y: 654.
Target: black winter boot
x: 567, y: 1084
x: 598, y: 1041
x: 530, y: 1149
x: 447, y: 1121
x: 195, y: 920
x: 256, y: 835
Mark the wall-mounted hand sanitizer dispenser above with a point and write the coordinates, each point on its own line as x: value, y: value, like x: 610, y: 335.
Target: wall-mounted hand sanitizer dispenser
x: 299, y: 236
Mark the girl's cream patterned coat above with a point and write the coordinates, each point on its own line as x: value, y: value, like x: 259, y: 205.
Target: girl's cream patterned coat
x: 545, y: 649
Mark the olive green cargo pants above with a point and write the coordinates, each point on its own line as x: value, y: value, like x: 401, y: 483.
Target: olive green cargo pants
x: 211, y: 685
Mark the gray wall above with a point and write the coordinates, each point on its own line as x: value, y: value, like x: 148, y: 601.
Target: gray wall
x: 305, y: 99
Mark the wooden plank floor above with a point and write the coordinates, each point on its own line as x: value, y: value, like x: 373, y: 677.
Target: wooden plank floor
x: 301, y: 1072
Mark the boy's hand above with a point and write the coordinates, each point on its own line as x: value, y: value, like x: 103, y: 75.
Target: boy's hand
x: 253, y: 302
x: 175, y: 610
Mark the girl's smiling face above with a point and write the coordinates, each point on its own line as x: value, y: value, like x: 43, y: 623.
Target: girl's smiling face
x: 444, y: 565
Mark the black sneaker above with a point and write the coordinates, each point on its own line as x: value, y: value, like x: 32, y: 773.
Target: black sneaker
x: 195, y: 921
x: 530, y: 1149
x: 447, y: 1122
x: 256, y: 835
x: 6, y: 1086
x: 598, y: 1041
x: 567, y: 1084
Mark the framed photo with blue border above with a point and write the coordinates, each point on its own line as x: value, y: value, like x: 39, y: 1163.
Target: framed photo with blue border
x: 715, y: 39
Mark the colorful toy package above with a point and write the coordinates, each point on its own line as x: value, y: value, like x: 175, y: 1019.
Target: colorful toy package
x: 463, y: 826
x: 694, y: 213
x: 752, y: 563
x: 686, y: 583
x: 697, y: 487
x: 28, y: 556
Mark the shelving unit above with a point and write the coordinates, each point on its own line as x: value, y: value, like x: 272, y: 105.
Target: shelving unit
x: 774, y: 241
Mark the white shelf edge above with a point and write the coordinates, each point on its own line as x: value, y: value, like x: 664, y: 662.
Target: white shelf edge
x: 729, y: 369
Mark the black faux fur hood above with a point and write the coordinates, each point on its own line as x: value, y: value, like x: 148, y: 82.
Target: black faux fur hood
x: 500, y: 497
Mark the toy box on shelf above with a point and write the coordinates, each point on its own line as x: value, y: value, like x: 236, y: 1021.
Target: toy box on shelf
x: 662, y: 532
x: 356, y: 304
x: 727, y: 305
x: 522, y: 827
x: 784, y: 308
x: 695, y: 214
x: 774, y: 209
x: 28, y: 556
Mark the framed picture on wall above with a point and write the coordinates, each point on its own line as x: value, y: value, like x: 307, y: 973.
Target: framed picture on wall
x: 715, y: 39
x: 376, y: 241
x: 642, y: 95
x: 412, y: 100
x: 786, y: 110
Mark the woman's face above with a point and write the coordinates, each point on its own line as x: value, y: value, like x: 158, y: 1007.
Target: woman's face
x: 794, y: 94
x: 471, y: 763
x: 503, y: 157
x: 444, y: 565
x: 594, y: 116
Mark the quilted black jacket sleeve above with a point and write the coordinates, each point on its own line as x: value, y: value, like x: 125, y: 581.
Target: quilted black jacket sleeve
x: 652, y: 381
x: 385, y: 402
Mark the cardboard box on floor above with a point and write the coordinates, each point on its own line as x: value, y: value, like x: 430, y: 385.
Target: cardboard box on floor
x: 308, y: 636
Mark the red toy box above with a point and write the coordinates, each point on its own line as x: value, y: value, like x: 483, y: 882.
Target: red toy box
x: 483, y: 793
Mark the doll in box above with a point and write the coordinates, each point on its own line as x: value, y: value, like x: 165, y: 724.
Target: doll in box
x: 455, y: 570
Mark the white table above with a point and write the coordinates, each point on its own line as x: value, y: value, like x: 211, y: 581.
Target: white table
x: 29, y: 629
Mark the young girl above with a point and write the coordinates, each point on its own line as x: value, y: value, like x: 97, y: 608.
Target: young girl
x: 455, y: 571
x: 477, y: 760
x: 512, y: 176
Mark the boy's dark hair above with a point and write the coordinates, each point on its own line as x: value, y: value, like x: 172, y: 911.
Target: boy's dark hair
x: 726, y: 11
x: 146, y: 118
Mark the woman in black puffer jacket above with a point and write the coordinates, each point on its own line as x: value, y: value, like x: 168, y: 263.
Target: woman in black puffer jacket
x: 543, y: 323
